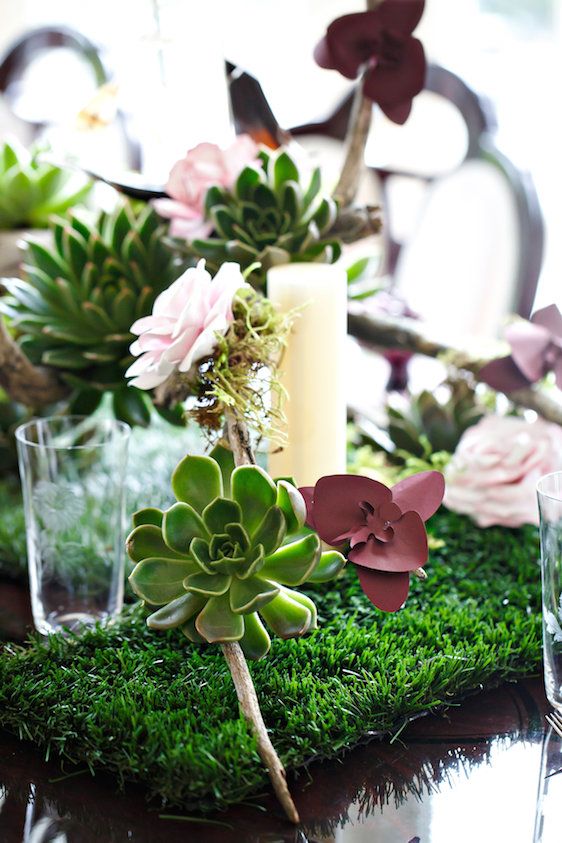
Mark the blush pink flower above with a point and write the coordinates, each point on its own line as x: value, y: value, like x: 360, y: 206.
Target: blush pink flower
x: 203, y: 167
x: 536, y: 350
x: 496, y: 466
x: 185, y: 321
x: 384, y: 527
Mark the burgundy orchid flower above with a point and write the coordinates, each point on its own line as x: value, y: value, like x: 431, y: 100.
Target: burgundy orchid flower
x: 381, y: 42
x: 536, y: 350
x: 384, y: 527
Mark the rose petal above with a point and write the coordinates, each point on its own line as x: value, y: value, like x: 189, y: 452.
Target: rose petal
x: 385, y: 591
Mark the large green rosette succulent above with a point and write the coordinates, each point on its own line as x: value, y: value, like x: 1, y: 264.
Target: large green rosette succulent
x: 228, y: 555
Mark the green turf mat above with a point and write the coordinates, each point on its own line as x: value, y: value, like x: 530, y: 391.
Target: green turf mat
x: 155, y: 709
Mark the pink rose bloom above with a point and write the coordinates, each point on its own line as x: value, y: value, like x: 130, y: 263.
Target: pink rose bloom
x: 185, y: 321
x: 203, y: 166
x: 495, y: 468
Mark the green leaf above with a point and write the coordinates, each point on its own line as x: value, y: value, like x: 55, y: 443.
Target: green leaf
x: 209, y: 585
x: 271, y: 531
x: 129, y: 405
x: 286, y: 617
x: 255, y: 642
x: 217, y: 622
x: 149, y: 515
x: 176, y: 613
x: 219, y: 513
x: 190, y: 632
x: 85, y: 402
x: 180, y: 526
x: 248, y: 179
x: 254, y: 562
x: 255, y: 492
x: 147, y: 540
x: 197, y: 481
x: 249, y: 595
x: 305, y: 601
x: 313, y: 188
x: 199, y: 550
x: 293, y: 563
x: 64, y: 358
x: 284, y: 169
x: 330, y: 564
x: 326, y: 214
x: 292, y: 505
x: 159, y: 580
x: 238, y: 535
x: 357, y: 269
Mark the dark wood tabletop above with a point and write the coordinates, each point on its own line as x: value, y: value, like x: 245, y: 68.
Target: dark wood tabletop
x: 486, y: 771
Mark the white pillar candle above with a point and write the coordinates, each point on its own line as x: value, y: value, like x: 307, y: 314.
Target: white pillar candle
x: 312, y: 370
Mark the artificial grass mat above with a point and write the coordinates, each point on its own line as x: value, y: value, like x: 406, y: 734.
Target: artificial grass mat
x: 152, y: 708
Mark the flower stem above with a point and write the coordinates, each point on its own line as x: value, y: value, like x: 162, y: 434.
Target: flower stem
x: 250, y: 707
x: 239, y: 440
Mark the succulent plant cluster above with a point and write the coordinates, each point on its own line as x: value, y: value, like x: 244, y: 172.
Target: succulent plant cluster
x: 268, y: 218
x: 31, y: 190
x: 230, y: 550
x: 74, y: 306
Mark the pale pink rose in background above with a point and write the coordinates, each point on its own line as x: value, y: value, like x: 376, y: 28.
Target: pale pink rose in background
x: 495, y: 468
x: 203, y: 166
x: 185, y: 321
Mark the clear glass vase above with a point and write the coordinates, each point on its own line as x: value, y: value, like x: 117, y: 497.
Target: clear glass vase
x: 549, y: 490
x: 73, y: 471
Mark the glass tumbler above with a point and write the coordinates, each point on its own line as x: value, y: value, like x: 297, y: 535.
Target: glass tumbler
x: 72, y: 471
x: 549, y: 490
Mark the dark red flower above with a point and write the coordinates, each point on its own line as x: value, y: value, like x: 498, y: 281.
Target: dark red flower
x: 536, y: 350
x: 381, y: 42
x: 384, y: 527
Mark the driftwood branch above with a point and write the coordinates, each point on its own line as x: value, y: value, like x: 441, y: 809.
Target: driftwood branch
x: 384, y: 332
x: 239, y: 439
x: 24, y: 382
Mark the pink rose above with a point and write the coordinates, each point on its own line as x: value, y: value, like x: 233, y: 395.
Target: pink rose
x: 185, y: 321
x: 203, y: 166
x: 494, y: 470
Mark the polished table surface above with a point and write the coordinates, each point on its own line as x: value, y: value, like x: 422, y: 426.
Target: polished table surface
x: 486, y: 771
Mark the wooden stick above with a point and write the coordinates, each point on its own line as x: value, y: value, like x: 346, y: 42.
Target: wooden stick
x: 239, y: 439
x: 250, y: 708
x: 24, y: 382
x: 409, y: 335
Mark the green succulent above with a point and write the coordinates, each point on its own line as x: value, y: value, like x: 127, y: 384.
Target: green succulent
x: 230, y: 550
x: 269, y: 218
x: 77, y: 301
x: 32, y: 190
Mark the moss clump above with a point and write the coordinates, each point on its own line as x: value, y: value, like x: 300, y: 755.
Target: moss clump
x: 154, y: 709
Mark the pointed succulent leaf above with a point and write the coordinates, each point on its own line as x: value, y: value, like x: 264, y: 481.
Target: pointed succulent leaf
x: 177, y: 612
x: 313, y: 188
x: 254, y: 562
x: 271, y: 531
x: 149, y: 515
x: 238, y: 534
x: 291, y: 503
x: 197, y: 481
x: 286, y: 617
x: 190, y: 631
x: 147, y: 540
x: 255, y: 642
x: 209, y: 585
x: 305, y: 601
x: 129, y: 405
x: 253, y: 489
x: 159, y: 580
x: 249, y: 595
x: 284, y: 169
x: 219, y: 513
x: 225, y: 461
x: 293, y: 563
x: 199, y: 550
x: 329, y: 566
x: 181, y: 525
x: 217, y: 621
x: 248, y: 179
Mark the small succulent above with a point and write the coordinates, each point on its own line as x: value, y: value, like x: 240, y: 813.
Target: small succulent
x: 77, y: 301
x: 230, y: 550
x: 269, y: 218
x: 32, y: 190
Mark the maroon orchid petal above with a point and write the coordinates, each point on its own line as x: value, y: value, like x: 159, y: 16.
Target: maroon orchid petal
x: 349, y: 43
x: 400, y: 15
x: 386, y: 591
x: 503, y: 375
x: 406, y: 551
x: 398, y: 76
x: 421, y: 493
x: 337, y: 500
x: 549, y: 318
x: 398, y: 113
x: 308, y: 494
x: 529, y: 344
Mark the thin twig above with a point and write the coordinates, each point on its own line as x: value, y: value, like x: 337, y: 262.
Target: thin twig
x: 239, y: 439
